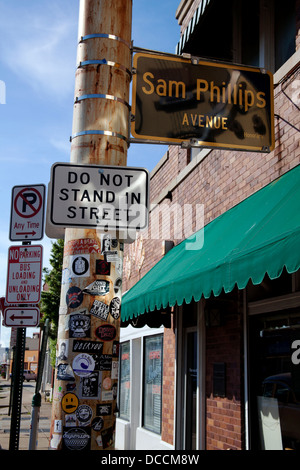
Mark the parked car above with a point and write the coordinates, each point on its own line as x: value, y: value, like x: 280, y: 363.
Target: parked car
x: 29, y: 375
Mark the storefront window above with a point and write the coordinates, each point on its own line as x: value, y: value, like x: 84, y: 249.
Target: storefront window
x: 152, y: 391
x: 275, y: 381
x: 124, y: 381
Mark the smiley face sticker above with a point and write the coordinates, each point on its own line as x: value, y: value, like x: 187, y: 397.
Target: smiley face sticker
x: 69, y: 403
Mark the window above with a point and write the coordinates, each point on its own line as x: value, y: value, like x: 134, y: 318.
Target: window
x: 275, y: 380
x: 259, y: 33
x: 152, y: 390
x: 124, y: 381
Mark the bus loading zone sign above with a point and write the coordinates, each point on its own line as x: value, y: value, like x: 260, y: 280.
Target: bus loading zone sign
x: 104, y: 197
x: 24, y: 274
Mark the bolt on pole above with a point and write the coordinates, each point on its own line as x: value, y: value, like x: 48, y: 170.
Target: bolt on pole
x: 86, y: 374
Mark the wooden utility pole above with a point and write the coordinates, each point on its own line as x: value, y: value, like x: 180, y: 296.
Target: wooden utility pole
x: 86, y: 375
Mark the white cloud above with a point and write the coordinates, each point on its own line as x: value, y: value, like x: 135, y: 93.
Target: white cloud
x: 39, y: 44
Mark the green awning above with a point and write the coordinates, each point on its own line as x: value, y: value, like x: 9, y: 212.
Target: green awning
x: 259, y: 236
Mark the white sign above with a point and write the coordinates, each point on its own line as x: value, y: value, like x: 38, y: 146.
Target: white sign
x: 107, y: 197
x: 24, y: 274
x: 27, y: 213
x: 21, y: 317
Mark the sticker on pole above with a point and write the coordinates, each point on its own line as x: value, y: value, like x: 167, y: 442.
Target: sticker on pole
x: 24, y: 274
x: 27, y: 213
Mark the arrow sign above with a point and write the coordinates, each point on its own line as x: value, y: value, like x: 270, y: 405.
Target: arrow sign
x: 21, y: 317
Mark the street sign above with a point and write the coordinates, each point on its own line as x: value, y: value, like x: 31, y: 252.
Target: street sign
x: 21, y: 317
x: 27, y: 213
x: 207, y: 104
x: 24, y: 274
x: 105, y: 197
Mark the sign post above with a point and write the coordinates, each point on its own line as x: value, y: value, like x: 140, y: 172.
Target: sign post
x: 17, y: 385
x: 23, y: 285
x: 86, y: 377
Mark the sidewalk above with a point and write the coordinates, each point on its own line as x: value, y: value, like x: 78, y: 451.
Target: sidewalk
x: 5, y: 419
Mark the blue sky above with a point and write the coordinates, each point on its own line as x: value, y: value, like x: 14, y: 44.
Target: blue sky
x: 38, y: 45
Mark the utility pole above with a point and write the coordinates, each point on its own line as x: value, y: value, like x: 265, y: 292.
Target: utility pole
x: 86, y: 375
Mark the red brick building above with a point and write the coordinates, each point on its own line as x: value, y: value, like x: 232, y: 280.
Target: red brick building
x: 219, y: 348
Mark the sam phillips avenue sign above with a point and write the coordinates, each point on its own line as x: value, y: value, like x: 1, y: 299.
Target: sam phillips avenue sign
x: 209, y: 104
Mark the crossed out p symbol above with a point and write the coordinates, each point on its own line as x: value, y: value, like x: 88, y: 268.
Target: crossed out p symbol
x: 28, y: 202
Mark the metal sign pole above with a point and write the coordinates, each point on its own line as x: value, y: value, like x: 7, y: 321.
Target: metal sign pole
x: 17, y: 389
x: 36, y: 400
x: 86, y: 376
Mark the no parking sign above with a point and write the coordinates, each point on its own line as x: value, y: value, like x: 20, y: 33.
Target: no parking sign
x: 27, y: 213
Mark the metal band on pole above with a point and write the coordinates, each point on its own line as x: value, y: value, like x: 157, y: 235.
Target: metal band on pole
x: 99, y: 132
x: 106, y: 97
x: 104, y: 36
x: 104, y: 62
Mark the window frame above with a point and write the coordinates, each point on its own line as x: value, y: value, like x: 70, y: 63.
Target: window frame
x: 144, y: 424
x: 125, y: 417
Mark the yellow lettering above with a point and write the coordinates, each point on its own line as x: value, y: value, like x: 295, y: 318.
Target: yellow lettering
x: 200, y: 120
x: 202, y: 86
x: 185, y: 120
x: 224, y: 123
x: 145, y: 78
x: 249, y: 99
x: 214, y: 93
x: 161, y: 88
x: 194, y: 119
x: 260, y: 96
x: 209, y: 121
x: 178, y: 86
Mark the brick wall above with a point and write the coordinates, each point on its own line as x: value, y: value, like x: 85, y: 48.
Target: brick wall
x: 224, y: 416
x: 220, y: 181
x: 168, y: 411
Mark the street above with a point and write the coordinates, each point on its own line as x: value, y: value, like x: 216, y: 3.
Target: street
x: 5, y: 419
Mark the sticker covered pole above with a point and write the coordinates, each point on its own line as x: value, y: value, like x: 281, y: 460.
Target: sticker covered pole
x: 87, y: 356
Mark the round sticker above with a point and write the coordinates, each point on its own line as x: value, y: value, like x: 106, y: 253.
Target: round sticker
x: 74, y: 297
x: 83, y: 365
x: 106, y: 332
x: 76, y: 439
x: 69, y: 403
x: 84, y: 414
